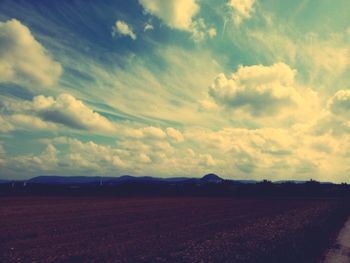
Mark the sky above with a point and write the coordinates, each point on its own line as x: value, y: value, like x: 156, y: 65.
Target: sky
x: 247, y: 89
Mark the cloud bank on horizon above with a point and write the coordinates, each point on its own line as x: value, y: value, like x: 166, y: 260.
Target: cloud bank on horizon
x: 246, y: 89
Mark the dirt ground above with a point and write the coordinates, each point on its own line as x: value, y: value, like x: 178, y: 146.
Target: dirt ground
x: 34, y: 229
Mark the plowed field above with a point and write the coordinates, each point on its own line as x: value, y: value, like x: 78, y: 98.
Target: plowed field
x: 34, y: 229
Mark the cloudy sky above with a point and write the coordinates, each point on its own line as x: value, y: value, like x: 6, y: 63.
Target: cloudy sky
x: 247, y: 89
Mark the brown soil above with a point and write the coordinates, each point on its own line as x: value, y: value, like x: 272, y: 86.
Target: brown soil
x: 166, y: 229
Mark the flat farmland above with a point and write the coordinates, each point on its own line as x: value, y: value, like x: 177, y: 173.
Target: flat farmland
x: 62, y: 229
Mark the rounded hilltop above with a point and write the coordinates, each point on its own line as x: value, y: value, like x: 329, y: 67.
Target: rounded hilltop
x: 212, y: 178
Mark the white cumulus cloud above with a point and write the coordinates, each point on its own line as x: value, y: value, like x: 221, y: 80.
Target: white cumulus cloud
x: 123, y: 29
x: 200, y: 30
x: 260, y: 90
x: 180, y: 15
x: 177, y: 14
x: 5, y: 125
x: 23, y: 59
x: 175, y: 134
x: 153, y: 132
x: 242, y: 9
x: 148, y: 27
x: 335, y: 118
x: 71, y: 112
x: 340, y: 103
x: 46, y: 112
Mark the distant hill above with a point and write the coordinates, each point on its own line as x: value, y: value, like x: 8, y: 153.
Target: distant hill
x: 55, y: 179
x: 68, y: 180
x: 49, y: 179
x: 77, y: 180
x: 128, y: 185
x: 4, y: 181
x: 212, y: 178
x: 109, y: 180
